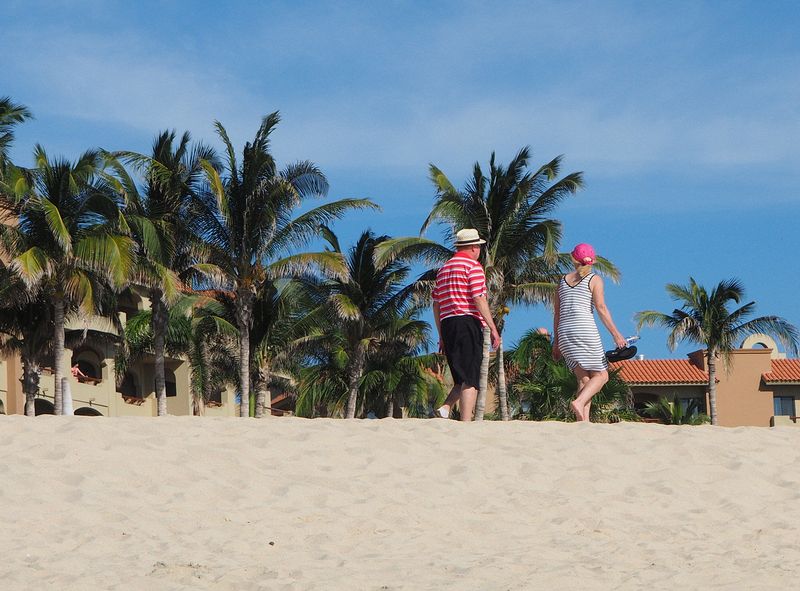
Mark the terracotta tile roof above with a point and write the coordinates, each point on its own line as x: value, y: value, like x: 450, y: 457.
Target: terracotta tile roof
x: 783, y: 370
x: 660, y: 371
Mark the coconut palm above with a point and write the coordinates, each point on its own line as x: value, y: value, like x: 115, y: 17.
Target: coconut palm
x: 395, y: 376
x: 65, y: 244
x: 168, y: 253
x: 705, y: 319
x: 398, y: 376
x: 365, y: 304
x: 246, y: 218
x: 512, y: 210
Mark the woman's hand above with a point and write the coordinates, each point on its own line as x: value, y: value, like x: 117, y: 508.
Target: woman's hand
x: 556, y: 353
x: 620, y: 341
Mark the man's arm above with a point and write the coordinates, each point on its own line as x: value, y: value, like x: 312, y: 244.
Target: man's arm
x: 483, y: 307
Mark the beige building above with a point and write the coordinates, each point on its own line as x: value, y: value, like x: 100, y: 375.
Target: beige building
x: 97, y: 394
x: 759, y: 387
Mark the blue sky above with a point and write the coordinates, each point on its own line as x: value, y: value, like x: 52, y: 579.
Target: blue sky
x: 683, y: 116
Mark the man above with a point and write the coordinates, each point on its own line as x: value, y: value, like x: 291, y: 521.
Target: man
x: 461, y: 310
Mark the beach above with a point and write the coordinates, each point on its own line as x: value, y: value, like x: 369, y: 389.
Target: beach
x: 285, y: 503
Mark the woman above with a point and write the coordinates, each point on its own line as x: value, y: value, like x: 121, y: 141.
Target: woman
x: 576, y: 336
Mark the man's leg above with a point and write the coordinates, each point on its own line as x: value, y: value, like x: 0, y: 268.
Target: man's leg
x: 452, y: 398
x: 466, y: 406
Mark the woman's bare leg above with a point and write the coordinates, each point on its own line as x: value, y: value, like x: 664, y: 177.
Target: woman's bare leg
x: 597, y: 379
x: 583, y: 379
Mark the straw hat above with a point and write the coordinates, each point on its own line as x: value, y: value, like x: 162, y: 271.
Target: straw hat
x: 468, y: 237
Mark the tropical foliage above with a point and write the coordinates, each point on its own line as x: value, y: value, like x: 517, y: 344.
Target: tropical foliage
x: 249, y: 284
x: 674, y: 412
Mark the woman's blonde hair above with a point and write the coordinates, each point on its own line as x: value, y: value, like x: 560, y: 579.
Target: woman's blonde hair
x: 582, y: 270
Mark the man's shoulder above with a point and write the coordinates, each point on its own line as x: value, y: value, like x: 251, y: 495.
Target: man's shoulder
x: 461, y: 261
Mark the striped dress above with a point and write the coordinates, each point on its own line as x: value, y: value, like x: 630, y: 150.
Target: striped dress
x: 578, y: 337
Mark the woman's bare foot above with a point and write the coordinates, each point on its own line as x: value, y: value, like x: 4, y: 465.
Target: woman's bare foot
x: 578, y: 410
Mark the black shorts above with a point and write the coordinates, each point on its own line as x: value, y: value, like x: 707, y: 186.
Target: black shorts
x: 463, y: 345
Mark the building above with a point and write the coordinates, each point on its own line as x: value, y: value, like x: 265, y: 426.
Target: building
x: 96, y: 392
x: 759, y: 387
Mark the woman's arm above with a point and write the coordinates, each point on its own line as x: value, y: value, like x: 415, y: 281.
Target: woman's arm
x: 598, y: 299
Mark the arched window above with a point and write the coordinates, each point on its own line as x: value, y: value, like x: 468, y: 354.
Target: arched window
x: 42, y: 406
x: 88, y: 411
x: 88, y: 363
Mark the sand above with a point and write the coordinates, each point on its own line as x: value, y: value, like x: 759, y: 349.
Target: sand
x: 186, y: 503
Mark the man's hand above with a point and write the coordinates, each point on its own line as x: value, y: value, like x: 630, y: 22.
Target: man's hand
x: 441, y: 346
x: 496, y: 340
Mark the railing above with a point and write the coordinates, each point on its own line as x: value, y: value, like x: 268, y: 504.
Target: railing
x: 88, y: 380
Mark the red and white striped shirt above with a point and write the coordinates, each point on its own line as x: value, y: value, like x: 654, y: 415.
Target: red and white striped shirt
x: 458, y: 282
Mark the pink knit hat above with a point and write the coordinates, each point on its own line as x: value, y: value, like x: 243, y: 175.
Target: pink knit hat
x: 583, y: 254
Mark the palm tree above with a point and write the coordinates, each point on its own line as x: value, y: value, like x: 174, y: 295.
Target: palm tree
x: 26, y: 329
x: 395, y: 374
x: 247, y: 220
x: 704, y: 319
x: 511, y: 209
x: 365, y: 303
x: 66, y: 243
x: 398, y: 375
x: 168, y: 251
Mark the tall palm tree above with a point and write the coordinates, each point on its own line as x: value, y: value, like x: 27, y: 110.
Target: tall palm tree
x: 66, y: 243
x: 247, y: 220
x: 168, y: 252
x: 704, y: 318
x: 512, y: 210
x: 365, y: 303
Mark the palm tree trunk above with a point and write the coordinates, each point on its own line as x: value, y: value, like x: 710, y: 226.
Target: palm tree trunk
x: 58, y: 351
x: 205, y: 387
x: 353, y: 379
x: 712, y: 386
x: 390, y: 407
x: 158, y: 321
x: 30, y: 385
x: 262, y: 392
x: 480, y: 404
x: 502, y: 392
x: 244, y: 313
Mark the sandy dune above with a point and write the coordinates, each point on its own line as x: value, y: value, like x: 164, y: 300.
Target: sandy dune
x: 183, y: 503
